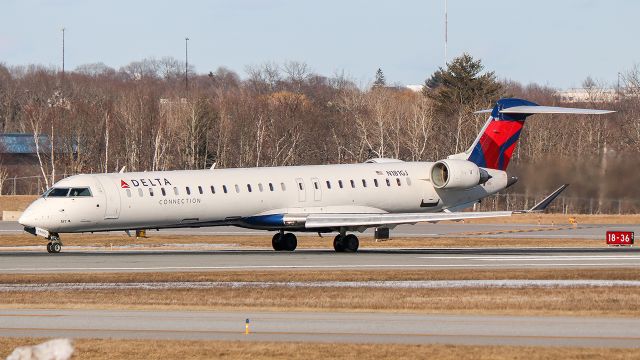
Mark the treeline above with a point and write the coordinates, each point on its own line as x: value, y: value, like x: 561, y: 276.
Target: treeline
x: 145, y: 117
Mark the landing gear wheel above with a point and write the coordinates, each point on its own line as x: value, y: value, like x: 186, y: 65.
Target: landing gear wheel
x: 277, y: 242
x: 55, y: 247
x: 347, y: 243
x: 49, y: 248
x: 338, y: 243
x: 289, y: 241
x: 350, y: 243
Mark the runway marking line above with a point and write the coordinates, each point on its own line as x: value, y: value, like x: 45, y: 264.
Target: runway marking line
x: 497, y: 336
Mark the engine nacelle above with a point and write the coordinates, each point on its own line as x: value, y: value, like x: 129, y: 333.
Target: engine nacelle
x: 457, y: 174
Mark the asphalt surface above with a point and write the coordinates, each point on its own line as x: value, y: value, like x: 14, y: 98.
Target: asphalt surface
x: 325, y: 327
x: 247, y: 260
x: 582, y: 231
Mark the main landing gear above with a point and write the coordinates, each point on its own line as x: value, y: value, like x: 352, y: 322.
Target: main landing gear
x: 55, y: 245
x: 284, y: 242
x: 346, y: 243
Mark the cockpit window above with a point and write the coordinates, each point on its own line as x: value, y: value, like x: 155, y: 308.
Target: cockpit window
x: 80, y: 192
x: 57, y: 192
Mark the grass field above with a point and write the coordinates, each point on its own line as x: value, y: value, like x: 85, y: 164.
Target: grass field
x: 236, y: 350
x: 613, y: 301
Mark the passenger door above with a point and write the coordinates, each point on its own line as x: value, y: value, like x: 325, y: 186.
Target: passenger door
x: 112, y: 197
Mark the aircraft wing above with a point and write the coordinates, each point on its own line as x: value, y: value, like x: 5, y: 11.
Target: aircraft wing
x: 317, y: 221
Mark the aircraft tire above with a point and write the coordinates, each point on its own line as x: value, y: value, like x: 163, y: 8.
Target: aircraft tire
x: 56, y: 247
x: 276, y: 242
x: 49, y: 248
x: 338, y: 243
x: 289, y: 242
x: 350, y: 243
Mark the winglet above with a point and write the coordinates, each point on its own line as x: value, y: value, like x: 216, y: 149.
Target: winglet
x: 542, y: 205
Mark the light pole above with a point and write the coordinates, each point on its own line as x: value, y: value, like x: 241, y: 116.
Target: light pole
x: 186, y: 64
x: 63, y: 29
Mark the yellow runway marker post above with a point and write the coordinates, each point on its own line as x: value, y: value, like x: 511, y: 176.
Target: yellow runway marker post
x: 246, y: 327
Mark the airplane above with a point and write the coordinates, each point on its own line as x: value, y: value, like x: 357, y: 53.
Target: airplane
x: 345, y: 198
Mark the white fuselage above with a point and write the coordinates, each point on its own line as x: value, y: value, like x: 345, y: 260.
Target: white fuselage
x: 191, y: 198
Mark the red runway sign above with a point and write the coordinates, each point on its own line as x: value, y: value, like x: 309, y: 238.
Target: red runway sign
x: 619, y: 237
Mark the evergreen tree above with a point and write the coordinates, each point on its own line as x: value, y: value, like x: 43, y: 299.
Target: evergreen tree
x: 462, y: 83
x: 380, y: 80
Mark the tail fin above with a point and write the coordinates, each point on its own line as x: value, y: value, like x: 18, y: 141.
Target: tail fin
x: 498, y: 138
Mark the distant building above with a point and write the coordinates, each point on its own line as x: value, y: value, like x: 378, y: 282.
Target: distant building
x: 20, y: 148
x: 415, y: 88
x: 595, y: 95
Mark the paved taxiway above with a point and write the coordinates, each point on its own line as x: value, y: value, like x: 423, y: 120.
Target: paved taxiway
x: 563, y: 231
x: 177, y: 261
x: 325, y: 327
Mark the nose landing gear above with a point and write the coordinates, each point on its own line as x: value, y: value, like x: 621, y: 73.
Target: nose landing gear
x: 55, y: 245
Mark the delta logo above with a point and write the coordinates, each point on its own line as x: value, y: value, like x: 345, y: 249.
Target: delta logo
x: 144, y: 182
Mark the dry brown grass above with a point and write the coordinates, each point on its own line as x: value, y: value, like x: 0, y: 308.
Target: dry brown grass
x: 613, y: 301
x: 176, y: 349
x: 559, y: 219
x: 618, y: 301
x: 304, y: 242
x: 330, y: 275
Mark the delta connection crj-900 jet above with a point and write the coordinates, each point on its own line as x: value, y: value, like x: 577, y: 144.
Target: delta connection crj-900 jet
x: 379, y: 193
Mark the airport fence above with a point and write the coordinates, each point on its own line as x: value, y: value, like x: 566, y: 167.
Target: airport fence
x: 35, y: 185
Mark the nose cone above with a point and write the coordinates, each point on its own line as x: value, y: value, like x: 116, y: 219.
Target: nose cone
x: 29, y: 216
x: 26, y: 219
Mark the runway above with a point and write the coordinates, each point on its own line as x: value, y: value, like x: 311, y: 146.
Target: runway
x: 325, y: 327
x: 247, y: 260
x: 560, y: 231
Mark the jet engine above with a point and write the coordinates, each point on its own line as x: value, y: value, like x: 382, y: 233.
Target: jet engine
x: 457, y: 174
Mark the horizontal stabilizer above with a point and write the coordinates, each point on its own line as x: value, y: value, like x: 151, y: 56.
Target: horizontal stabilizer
x: 542, y: 205
x: 530, y: 110
x: 316, y: 221
x: 552, y: 110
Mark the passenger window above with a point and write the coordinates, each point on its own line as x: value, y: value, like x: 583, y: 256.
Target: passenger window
x: 284, y: 188
x: 353, y: 183
x: 237, y: 188
x: 328, y: 184
x: 340, y: 184
x: 150, y: 191
x: 224, y: 188
x: 388, y: 182
x: 175, y: 191
x: 364, y: 183
x: 260, y: 187
x: 270, y: 186
x: 398, y: 181
x: 140, y: 193
x: 164, y: 193
x: 200, y: 190
x: 188, y: 190
x: 409, y: 181
x: 300, y: 186
x: 128, y: 192
x: 375, y: 182
x: 315, y: 185
x: 80, y: 192
x: 213, y: 190
x: 249, y: 187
